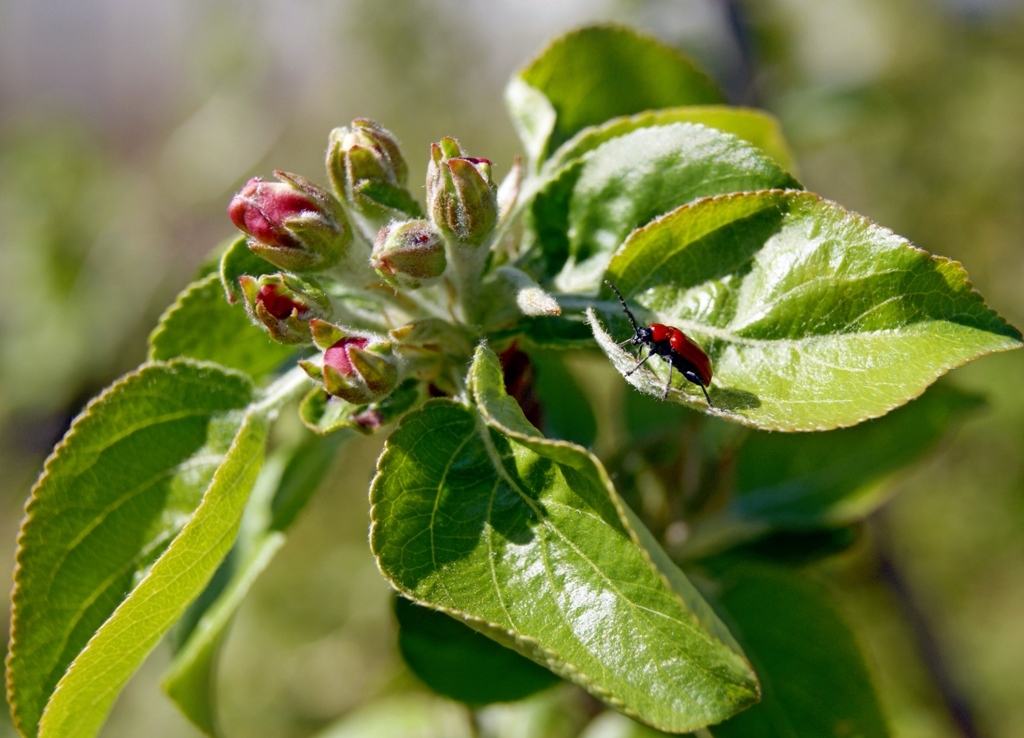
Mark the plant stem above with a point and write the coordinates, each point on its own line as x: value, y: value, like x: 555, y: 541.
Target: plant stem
x: 467, y: 269
x: 289, y: 386
x: 742, y: 88
x: 474, y: 723
x: 956, y: 702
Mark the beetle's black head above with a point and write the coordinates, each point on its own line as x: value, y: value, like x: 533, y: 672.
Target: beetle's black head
x: 642, y: 336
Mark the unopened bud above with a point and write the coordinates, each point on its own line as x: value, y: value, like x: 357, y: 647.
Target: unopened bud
x: 429, y: 345
x: 461, y: 198
x: 432, y: 335
x: 358, y: 368
x: 367, y: 169
x: 409, y: 255
x: 293, y: 224
x: 284, y: 305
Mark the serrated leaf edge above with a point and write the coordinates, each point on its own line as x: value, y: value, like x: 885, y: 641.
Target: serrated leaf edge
x: 552, y: 659
x: 33, y: 499
x: 174, y: 307
x: 628, y: 290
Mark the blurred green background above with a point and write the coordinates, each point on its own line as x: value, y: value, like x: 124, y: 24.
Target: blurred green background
x: 125, y: 127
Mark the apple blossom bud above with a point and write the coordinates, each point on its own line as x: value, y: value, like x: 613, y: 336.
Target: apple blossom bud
x: 367, y: 170
x: 409, y: 255
x: 359, y: 368
x: 293, y: 224
x: 461, y: 198
x: 284, y: 305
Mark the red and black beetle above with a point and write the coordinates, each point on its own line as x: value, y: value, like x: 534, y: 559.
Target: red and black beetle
x: 673, y: 346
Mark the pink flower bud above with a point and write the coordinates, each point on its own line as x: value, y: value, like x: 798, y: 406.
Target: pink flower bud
x: 277, y: 304
x: 409, y: 255
x: 358, y: 368
x: 284, y: 305
x: 293, y: 224
x: 337, y: 356
x: 261, y: 209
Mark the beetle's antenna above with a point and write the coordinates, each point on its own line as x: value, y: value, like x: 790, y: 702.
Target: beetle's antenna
x: 632, y: 320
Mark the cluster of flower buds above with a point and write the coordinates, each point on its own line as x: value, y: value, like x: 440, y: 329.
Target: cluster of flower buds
x: 410, y: 254
x: 300, y: 228
x: 461, y: 198
x: 358, y: 367
x: 367, y: 170
x: 284, y: 305
x: 293, y: 224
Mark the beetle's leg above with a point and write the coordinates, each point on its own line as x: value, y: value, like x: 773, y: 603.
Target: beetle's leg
x: 669, y: 382
x: 640, y: 363
x: 710, y: 404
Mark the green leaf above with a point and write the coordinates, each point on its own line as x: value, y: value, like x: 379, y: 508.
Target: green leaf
x: 802, y: 482
x: 833, y: 479
x: 813, y: 316
x: 591, y: 75
x: 458, y: 662
x: 238, y: 259
x: 801, y: 548
x: 814, y: 680
x: 306, y: 470
x: 394, y: 198
x: 191, y: 679
x: 323, y: 414
x: 284, y: 486
x: 753, y: 126
x: 202, y: 325
x: 134, y: 511
x: 524, y: 539
x: 566, y: 411
x: 568, y: 330
x: 587, y: 212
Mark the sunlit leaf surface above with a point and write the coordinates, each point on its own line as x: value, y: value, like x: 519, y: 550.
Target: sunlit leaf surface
x: 474, y: 513
x: 202, y: 325
x: 594, y: 74
x: 753, y: 126
x: 585, y: 213
x: 133, y: 513
x: 813, y: 316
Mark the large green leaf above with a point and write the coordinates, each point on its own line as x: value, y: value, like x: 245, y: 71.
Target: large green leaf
x: 802, y: 481
x: 134, y: 511
x: 814, y: 680
x: 753, y: 126
x: 813, y: 316
x: 458, y: 662
x: 583, y: 215
x: 591, y: 75
x: 202, y: 325
x: 477, y: 515
x: 285, y: 485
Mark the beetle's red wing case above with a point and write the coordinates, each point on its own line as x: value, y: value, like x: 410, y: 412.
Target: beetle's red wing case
x: 692, y: 353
